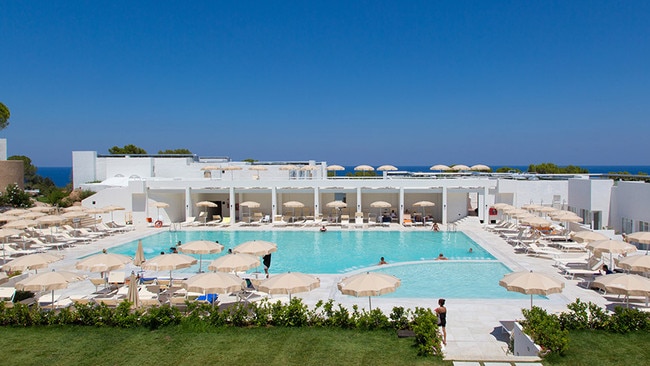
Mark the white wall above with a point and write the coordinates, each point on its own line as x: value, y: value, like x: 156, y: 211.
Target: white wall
x: 630, y: 200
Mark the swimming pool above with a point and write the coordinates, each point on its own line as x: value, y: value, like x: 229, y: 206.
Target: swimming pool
x: 465, y: 275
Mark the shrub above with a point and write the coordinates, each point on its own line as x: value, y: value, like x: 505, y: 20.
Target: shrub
x: 372, y: 320
x: 399, y: 318
x: 427, y: 338
x: 629, y: 320
x: 160, y: 316
x: 545, y: 329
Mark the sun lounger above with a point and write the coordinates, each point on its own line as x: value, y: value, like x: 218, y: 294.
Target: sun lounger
x: 537, y: 251
x: 407, y: 221
x: 7, y: 296
x: 116, y: 278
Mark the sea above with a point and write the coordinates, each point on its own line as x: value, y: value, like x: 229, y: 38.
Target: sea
x: 62, y: 176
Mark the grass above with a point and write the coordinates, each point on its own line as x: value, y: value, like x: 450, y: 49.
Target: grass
x: 231, y: 346
x: 268, y: 346
x: 602, y: 348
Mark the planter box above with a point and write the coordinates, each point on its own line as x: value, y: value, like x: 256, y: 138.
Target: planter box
x: 523, y: 344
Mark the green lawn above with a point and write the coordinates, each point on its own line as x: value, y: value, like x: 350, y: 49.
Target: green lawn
x: 602, y: 348
x: 229, y: 346
x: 268, y: 346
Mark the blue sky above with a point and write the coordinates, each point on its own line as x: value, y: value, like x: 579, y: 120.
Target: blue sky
x: 349, y: 82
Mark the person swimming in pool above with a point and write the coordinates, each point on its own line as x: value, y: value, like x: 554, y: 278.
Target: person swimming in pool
x: 382, y: 261
x: 441, y: 257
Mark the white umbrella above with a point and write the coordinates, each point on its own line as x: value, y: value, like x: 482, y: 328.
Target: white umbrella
x: 480, y: 168
x: 31, y: 261
x: 169, y: 262
x: 289, y: 283
x: 336, y: 205
x: 16, y: 211
x: 132, y: 295
x: 113, y: 208
x: 364, y: 168
x: 612, y: 247
x: 288, y: 167
x: 587, y: 236
x: 531, y: 283
x: 213, y: 283
x: 380, y: 205
x: 74, y: 208
x: 206, y: 204
x: 624, y: 284
x: 459, y: 167
x: 158, y: 206
x: 641, y: 237
x: 369, y: 284
x: 424, y: 204
x: 638, y: 263
x: 293, y: 205
x: 256, y: 247
x: 440, y: 167
x: 4, y: 234
x: 234, y: 263
x: 20, y: 224
x: 31, y: 215
x: 103, y: 262
x: 201, y: 247
x: 335, y: 167
x: 48, y: 281
x: 250, y: 204
x: 139, y: 255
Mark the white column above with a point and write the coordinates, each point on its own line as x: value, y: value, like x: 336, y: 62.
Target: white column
x: 401, y: 205
x: 358, y: 199
x: 316, y: 201
x: 233, y: 213
x: 444, y: 205
x: 274, y: 202
x: 188, y: 202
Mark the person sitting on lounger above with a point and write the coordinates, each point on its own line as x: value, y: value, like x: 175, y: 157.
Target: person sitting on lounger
x: 605, y: 270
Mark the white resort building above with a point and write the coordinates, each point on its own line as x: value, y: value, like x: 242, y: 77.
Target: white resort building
x: 168, y: 188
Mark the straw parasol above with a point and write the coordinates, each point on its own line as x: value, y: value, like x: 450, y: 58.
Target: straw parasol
x: 103, y: 262
x: 380, y: 205
x: 641, y: 237
x: 206, y: 204
x: 288, y: 167
x: 459, y: 167
x: 480, y: 168
x: 250, y: 204
x: 289, y: 283
x: 132, y: 295
x: 611, y: 246
x: 587, y: 236
x: 48, y: 281
x: 256, y: 247
x: 31, y: 215
x: 211, y: 167
x: 213, y: 283
x: 424, y: 204
x: 440, y: 167
x: 169, y: 262
x: 531, y: 283
x: 74, y: 208
x: 387, y: 168
x: 139, y: 255
x: 16, y: 211
x: 502, y: 206
x: 536, y: 222
x: 31, y: 261
x: 293, y: 205
x: 369, y: 284
x: 201, y: 247
x: 8, y: 218
x: 5, y: 233
x: 624, y: 284
x: 234, y: 263
x: 637, y: 263
x: 364, y: 168
x: 20, y: 224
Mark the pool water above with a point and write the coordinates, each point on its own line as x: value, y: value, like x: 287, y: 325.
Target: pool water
x: 466, y: 274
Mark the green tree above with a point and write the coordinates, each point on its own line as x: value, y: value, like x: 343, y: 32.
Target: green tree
x: 506, y: 169
x: 249, y: 160
x: 175, y: 152
x: 4, y: 116
x: 31, y: 178
x: 15, y: 197
x: 550, y: 168
x: 127, y: 149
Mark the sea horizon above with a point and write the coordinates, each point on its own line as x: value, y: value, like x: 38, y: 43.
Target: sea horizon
x: 62, y: 175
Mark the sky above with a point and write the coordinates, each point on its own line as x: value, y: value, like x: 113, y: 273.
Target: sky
x: 347, y: 82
